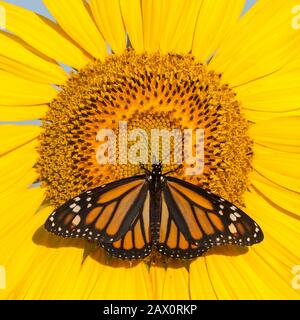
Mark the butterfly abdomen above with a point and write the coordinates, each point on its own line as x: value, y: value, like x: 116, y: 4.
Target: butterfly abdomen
x: 155, y: 216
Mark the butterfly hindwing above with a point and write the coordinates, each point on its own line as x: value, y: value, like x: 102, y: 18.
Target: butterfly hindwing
x: 103, y: 214
x: 203, y: 219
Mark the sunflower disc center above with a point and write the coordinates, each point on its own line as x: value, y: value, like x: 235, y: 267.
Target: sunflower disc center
x: 149, y: 91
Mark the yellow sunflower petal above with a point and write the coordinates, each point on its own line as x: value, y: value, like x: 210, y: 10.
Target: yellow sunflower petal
x: 50, y: 274
x: 16, y: 113
x: 87, y: 279
x: 100, y: 279
x: 279, y: 167
x: 238, y: 275
x: 281, y: 134
x: 15, y: 165
x: 157, y: 275
x: 280, y: 249
x: 180, y: 34
x: 18, y: 58
x: 178, y: 19
x: 219, y: 267
x: 43, y: 35
x: 231, y: 277
x: 17, y: 91
x: 18, y: 224
x: 17, y: 213
x: 254, y: 273
x: 282, y: 230
x: 47, y: 266
x: 14, y: 136
x: 261, y: 43
x: 109, y: 19
x: 176, y: 285
x: 74, y: 18
x: 132, y: 16
x: 278, y: 92
x: 121, y: 281
x: 215, y: 20
x: 54, y: 277
x: 201, y: 286
x: 28, y: 178
x: 9, y: 196
x: 152, y: 22
x: 284, y: 198
x: 256, y: 116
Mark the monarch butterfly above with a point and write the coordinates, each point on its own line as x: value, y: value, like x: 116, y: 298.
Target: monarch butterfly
x: 129, y: 217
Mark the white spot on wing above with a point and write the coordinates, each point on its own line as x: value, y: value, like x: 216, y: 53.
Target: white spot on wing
x: 77, y: 209
x: 76, y: 220
x: 232, y: 217
x: 232, y: 228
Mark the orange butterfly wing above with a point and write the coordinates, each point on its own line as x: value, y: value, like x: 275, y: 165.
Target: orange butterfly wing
x: 136, y: 242
x: 107, y: 215
x: 194, y: 220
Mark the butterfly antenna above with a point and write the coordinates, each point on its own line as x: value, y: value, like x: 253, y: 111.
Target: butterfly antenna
x: 173, y: 171
x: 144, y: 168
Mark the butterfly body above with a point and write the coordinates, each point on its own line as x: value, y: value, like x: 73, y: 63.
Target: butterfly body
x: 130, y: 217
x: 156, y: 182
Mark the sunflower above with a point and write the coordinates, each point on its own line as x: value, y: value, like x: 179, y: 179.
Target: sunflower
x: 156, y: 64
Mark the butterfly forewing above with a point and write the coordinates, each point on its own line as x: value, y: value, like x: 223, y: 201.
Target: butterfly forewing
x: 104, y: 214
